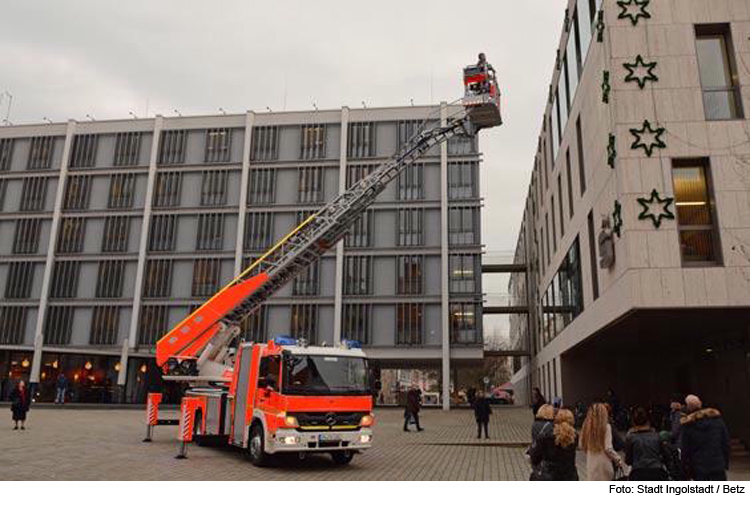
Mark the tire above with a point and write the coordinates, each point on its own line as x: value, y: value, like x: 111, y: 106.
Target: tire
x: 342, y: 457
x: 256, y: 447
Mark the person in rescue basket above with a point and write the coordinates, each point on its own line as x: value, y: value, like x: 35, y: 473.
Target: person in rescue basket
x: 411, y: 412
x: 482, y: 413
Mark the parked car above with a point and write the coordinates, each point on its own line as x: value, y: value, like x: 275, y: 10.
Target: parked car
x: 502, y: 395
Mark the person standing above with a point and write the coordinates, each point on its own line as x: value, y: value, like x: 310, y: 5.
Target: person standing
x: 596, y: 442
x: 20, y: 400
x: 643, y: 450
x: 555, y: 452
x: 413, y: 404
x: 482, y: 413
x: 61, y: 388
x: 675, y: 416
x: 537, y: 400
x: 705, y: 442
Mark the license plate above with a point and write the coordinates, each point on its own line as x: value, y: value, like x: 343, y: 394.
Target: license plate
x: 329, y: 438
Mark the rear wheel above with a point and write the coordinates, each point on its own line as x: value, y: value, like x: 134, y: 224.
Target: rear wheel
x: 342, y: 457
x: 256, y: 448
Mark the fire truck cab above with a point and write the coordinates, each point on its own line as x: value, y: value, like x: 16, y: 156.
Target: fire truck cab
x: 286, y: 397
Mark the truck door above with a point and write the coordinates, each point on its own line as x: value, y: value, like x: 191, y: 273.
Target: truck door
x: 245, y: 393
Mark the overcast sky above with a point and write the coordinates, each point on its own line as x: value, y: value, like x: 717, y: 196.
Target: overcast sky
x: 67, y: 59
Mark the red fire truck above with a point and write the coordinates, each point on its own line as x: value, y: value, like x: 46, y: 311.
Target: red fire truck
x: 284, y: 395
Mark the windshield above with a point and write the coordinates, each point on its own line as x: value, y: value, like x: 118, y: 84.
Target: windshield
x: 322, y: 374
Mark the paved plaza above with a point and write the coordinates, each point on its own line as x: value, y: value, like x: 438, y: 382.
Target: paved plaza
x: 93, y: 444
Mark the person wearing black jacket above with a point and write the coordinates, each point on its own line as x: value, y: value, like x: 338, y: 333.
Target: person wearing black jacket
x: 482, y: 413
x: 20, y: 400
x: 705, y: 442
x: 413, y: 404
x: 643, y: 450
x: 555, y: 452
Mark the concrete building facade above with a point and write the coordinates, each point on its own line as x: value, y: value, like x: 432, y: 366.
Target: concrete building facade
x: 112, y: 231
x: 636, y: 230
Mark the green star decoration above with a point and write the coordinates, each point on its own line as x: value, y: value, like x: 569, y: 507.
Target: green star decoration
x: 617, y: 219
x: 612, y: 151
x: 648, y: 138
x: 606, y: 87
x: 634, y: 9
x: 653, y: 201
x: 640, y: 71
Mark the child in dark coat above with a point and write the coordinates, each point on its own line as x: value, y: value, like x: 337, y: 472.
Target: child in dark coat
x: 482, y: 413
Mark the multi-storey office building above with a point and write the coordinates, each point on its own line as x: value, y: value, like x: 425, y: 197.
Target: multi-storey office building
x: 637, y: 221
x: 112, y: 231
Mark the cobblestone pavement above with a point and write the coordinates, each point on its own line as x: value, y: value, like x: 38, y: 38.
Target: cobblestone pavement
x: 74, y: 444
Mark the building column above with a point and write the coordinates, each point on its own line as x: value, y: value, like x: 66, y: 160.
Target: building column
x: 444, y: 303
x: 246, y: 148
x: 36, y: 364
x: 339, y: 284
x: 142, y: 249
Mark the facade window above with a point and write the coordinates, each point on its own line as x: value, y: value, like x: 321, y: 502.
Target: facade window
x: 258, y: 231
x: 253, y: 326
x: 72, y: 231
x: 462, y: 145
x: 153, y: 324
x: 592, y: 256
x: 313, y: 142
x: 464, y: 273
x: 64, y: 282
x: 581, y: 158
x: 116, y: 233
x: 172, y: 147
x: 410, y: 227
x: 463, y: 226
x: 105, y: 323
x: 411, y: 183
x: 696, y: 223
x: 3, y: 187
x: 563, y: 299
x: 464, y: 318
x: 265, y: 143
x: 408, y: 129
x: 304, y: 322
x: 718, y: 72
x: 359, y: 231
x: 409, y: 324
x: 40, y: 153
x: 310, y: 184
x: 361, y: 138
x: 77, y: 192
x: 163, y: 233
x: 158, y: 281
x: 20, y: 280
x: 83, y: 151
x: 410, y: 275
x: 462, y: 180
x: 570, y: 184
x: 356, y: 172
x: 33, y: 194
x: 121, y: 191
x: 210, y: 235
x: 358, y: 275
x: 214, y: 188
x: 206, y: 277
x: 545, y: 232
x: 307, y: 282
x: 262, y: 186
x: 127, y: 149
x: 554, y: 224
x: 58, y: 325
x: 167, y: 189
x: 356, y: 322
x: 218, y: 145
x: 110, y: 279
x: 560, y: 203
x: 12, y: 324
x: 6, y: 153
x: 26, y: 238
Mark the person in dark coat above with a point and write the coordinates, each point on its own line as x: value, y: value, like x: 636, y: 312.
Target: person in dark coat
x: 482, y: 413
x: 671, y: 457
x: 413, y: 404
x: 537, y: 400
x: 643, y: 450
x: 675, y: 416
x: 20, y: 400
x: 705, y: 442
x: 555, y: 453
x: 61, y: 388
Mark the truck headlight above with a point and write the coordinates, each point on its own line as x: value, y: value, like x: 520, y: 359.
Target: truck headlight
x: 367, y: 420
x: 365, y: 439
x: 291, y: 421
x: 291, y: 440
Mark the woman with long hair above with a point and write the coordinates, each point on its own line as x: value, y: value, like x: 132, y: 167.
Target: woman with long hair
x: 555, y: 453
x: 596, y: 442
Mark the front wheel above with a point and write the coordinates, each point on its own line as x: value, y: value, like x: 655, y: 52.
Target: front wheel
x: 256, y: 447
x: 342, y: 457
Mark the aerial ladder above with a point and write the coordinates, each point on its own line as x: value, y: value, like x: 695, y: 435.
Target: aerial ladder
x: 197, y: 350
